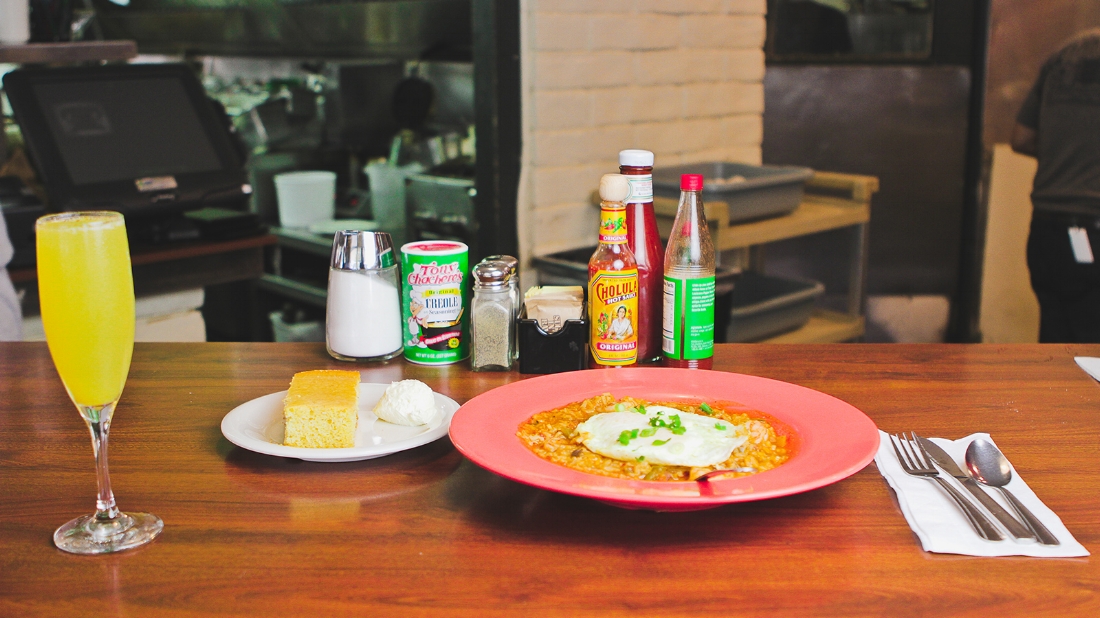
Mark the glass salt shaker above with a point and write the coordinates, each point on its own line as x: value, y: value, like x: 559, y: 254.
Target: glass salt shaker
x: 492, y: 323
x: 363, y: 311
x: 513, y: 283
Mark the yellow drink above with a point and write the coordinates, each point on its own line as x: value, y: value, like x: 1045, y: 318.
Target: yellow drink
x: 86, y: 292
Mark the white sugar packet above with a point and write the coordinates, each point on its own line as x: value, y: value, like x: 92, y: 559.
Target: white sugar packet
x: 941, y: 526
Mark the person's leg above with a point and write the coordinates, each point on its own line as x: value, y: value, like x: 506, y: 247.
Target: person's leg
x: 1068, y: 292
x: 1083, y: 317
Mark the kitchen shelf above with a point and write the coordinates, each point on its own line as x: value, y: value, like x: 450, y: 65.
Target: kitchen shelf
x: 824, y: 327
x: 59, y: 53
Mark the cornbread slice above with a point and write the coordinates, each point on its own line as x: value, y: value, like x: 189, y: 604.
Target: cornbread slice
x: 321, y: 409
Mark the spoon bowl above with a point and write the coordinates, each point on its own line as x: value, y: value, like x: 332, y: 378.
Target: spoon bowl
x: 990, y: 467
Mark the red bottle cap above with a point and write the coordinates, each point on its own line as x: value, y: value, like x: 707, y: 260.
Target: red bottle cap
x: 691, y: 182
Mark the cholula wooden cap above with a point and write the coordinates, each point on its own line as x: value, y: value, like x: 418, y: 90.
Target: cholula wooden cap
x: 614, y: 188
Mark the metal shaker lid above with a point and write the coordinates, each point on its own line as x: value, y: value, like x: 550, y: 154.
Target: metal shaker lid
x: 492, y: 273
x: 511, y: 262
x: 356, y: 250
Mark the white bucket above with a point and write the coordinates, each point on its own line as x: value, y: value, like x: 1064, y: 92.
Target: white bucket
x: 305, y: 197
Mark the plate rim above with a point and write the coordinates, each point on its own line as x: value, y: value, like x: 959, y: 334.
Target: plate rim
x: 332, y: 455
x: 554, y: 477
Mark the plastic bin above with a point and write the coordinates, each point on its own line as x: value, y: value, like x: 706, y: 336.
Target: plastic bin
x: 285, y: 332
x: 767, y: 191
x: 763, y: 306
x: 571, y: 268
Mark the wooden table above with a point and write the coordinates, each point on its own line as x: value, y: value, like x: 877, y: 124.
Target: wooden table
x: 427, y: 532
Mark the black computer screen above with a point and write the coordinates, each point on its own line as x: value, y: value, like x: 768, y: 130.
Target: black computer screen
x: 125, y: 129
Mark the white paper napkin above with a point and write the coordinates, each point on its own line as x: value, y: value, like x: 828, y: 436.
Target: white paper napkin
x: 1090, y: 364
x: 941, y: 526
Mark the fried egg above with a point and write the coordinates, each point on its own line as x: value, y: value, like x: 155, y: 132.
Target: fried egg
x: 662, y: 435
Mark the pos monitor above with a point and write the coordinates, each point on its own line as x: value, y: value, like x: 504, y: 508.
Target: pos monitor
x: 140, y: 139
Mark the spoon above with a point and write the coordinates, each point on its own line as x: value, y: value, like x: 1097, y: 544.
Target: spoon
x: 702, y: 478
x: 990, y: 467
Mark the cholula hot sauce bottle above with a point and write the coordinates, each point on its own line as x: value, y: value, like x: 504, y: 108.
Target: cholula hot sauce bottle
x: 613, y: 283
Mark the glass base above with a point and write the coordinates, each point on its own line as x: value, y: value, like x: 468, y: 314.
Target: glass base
x: 87, y: 535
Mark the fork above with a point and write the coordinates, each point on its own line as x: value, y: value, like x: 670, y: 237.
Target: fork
x: 915, y: 463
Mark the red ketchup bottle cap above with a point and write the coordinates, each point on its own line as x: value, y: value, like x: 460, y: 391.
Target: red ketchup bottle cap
x: 691, y: 182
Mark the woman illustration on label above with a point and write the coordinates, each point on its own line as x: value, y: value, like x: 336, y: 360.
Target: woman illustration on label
x: 620, y: 326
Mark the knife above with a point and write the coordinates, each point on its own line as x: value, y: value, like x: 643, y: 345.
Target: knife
x: 943, y: 460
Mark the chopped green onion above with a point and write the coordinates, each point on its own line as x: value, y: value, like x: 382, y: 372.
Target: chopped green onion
x: 641, y: 409
x: 624, y: 437
x: 619, y: 407
x: 705, y: 408
x: 648, y: 432
x: 659, y: 442
x: 656, y: 422
x: 678, y: 430
x: 719, y: 426
x: 642, y: 458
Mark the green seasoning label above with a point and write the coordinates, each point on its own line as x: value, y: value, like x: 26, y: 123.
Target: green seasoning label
x: 434, y: 301
x: 688, y: 326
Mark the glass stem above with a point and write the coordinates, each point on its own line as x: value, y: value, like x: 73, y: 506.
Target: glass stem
x: 99, y: 424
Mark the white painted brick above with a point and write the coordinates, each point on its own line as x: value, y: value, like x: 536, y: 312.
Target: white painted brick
x: 563, y: 70
x: 743, y: 129
x: 744, y: 65
x: 659, y: 67
x: 613, y: 105
x: 722, y: 99
x: 746, y: 7
x: 567, y: 226
x: 702, y: 65
x: 663, y: 138
x: 558, y: 31
x: 563, y: 109
x: 583, y: 6
x: 658, y: 103
x: 680, y: 7
x: 576, y: 147
x: 558, y: 185
x: 722, y: 31
x: 606, y: 142
x: 634, y: 32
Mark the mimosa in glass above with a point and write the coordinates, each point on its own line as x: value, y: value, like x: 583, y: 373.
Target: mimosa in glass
x: 86, y: 293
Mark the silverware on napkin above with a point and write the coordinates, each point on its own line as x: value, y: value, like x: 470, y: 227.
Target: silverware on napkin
x: 944, y: 461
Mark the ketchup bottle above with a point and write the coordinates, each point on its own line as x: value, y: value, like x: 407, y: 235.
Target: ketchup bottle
x: 645, y: 244
x: 613, y: 283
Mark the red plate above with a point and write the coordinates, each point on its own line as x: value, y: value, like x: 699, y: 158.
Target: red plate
x: 831, y: 440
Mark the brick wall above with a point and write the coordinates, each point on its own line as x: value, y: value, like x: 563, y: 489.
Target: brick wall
x: 682, y: 78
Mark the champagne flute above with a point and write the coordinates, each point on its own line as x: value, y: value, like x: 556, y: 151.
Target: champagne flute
x: 86, y: 292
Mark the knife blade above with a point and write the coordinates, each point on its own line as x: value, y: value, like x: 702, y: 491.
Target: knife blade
x: 943, y: 460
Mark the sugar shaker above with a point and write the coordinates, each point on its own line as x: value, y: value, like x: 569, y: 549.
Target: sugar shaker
x: 363, y: 319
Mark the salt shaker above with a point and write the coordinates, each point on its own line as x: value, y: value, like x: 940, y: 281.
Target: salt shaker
x: 363, y: 320
x: 513, y: 284
x: 493, y: 333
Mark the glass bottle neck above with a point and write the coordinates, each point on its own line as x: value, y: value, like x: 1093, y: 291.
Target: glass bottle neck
x: 613, y: 223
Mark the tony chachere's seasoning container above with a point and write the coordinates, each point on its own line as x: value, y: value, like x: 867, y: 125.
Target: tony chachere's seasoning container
x: 433, y: 301
x: 492, y: 326
x: 363, y: 312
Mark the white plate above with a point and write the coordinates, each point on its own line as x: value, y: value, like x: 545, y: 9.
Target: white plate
x: 257, y: 425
